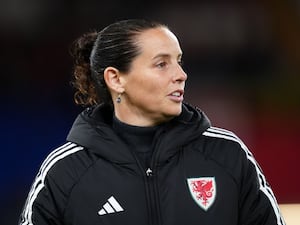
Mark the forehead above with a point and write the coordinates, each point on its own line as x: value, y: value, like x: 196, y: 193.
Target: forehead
x: 158, y: 40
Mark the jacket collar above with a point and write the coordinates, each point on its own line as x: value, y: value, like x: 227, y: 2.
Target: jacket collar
x: 93, y: 130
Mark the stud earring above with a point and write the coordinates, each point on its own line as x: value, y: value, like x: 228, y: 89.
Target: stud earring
x: 118, y: 100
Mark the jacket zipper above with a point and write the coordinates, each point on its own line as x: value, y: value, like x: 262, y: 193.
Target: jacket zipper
x: 149, y: 172
x: 152, y: 197
x: 148, y: 178
x: 151, y: 183
x: 151, y: 188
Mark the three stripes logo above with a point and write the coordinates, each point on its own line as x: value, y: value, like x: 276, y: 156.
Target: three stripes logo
x: 111, y: 206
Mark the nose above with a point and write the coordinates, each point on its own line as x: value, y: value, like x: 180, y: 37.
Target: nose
x: 180, y: 75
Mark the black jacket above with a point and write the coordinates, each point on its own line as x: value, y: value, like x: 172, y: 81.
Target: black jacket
x: 198, y: 175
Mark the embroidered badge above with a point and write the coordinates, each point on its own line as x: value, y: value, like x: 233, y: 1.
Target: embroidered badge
x: 203, y: 191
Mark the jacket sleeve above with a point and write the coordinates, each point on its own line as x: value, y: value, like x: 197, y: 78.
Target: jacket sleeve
x: 44, y: 204
x: 50, y: 191
x: 258, y: 205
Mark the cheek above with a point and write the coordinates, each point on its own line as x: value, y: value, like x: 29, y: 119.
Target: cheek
x: 147, y: 86
x: 155, y: 89
x: 150, y: 93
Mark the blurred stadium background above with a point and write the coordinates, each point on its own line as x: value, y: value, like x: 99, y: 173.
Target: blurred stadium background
x: 242, y: 58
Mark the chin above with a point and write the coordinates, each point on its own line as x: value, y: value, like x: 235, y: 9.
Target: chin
x: 175, y: 111
x: 170, y: 112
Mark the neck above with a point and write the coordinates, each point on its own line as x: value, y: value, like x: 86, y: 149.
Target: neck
x: 138, y: 118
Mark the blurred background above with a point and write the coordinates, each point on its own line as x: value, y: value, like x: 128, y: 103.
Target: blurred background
x: 242, y: 58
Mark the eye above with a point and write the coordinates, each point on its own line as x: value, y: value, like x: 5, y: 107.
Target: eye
x: 180, y: 62
x: 161, y: 64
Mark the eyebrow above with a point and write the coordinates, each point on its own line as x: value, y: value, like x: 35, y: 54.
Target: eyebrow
x: 165, y: 55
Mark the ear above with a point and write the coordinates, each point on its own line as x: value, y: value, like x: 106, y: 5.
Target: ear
x: 113, y: 79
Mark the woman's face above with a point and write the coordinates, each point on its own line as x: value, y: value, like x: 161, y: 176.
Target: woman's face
x: 154, y: 86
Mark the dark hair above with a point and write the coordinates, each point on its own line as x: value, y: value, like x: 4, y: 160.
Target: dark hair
x: 93, y: 52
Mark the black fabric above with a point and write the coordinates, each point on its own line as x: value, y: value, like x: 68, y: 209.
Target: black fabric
x: 97, y: 124
x: 138, y: 139
x: 77, y: 180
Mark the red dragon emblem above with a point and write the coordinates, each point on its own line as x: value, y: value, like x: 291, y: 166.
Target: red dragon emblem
x: 203, y: 190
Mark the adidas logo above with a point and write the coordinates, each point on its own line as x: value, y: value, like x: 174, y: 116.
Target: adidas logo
x: 111, y: 206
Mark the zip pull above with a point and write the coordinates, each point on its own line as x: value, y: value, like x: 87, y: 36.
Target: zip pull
x: 149, y: 172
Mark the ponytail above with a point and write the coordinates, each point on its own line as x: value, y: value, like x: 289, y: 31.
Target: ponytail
x: 86, y: 93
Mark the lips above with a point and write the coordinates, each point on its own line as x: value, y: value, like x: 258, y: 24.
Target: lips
x: 177, y: 95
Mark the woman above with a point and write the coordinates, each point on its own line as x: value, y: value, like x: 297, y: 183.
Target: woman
x: 138, y: 154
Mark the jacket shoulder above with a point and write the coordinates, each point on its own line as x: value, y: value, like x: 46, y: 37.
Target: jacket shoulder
x: 66, y: 164
x: 230, y: 151
x: 57, y: 175
x: 225, y: 138
x: 227, y: 150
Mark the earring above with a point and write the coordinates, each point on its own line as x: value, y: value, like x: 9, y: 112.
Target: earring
x: 118, y: 100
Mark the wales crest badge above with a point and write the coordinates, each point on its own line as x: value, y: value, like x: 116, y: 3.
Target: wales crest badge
x: 203, y: 191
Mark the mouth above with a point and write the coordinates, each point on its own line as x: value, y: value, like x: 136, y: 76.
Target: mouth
x: 177, y: 95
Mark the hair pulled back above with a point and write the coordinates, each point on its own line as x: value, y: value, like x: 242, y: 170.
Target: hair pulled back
x: 93, y: 52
